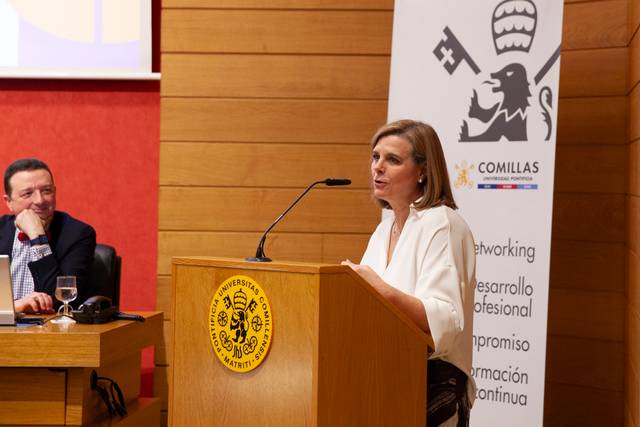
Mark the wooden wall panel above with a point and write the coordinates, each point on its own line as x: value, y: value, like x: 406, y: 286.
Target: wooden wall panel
x: 590, y: 266
x: 236, y: 245
x: 633, y: 294
x: 592, y: 120
x: 634, y: 167
x: 583, y: 73
x: 338, y: 247
x: 164, y: 351
x: 577, y: 361
x: 632, y: 392
x: 586, y: 314
x: 277, y: 31
x: 589, y: 243
x: 325, y: 247
x: 591, y: 168
x: 270, y: 120
x: 244, y: 165
x: 276, y: 76
x: 634, y: 113
x: 594, y: 404
x: 632, y: 362
x: 589, y: 217
x: 589, y: 25
x: 634, y: 61
x: 188, y: 119
x: 281, y: 4
x: 161, y: 385
x: 163, y: 295
x: 632, y: 336
x: 633, y: 320
x: 599, y: 72
x: 634, y: 17
x: 586, y: 25
x: 253, y: 209
x: 632, y: 380
x: 633, y: 223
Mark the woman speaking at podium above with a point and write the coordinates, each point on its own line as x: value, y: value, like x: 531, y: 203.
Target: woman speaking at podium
x: 421, y: 258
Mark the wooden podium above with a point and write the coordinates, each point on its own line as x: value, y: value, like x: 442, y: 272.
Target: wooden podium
x: 45, y: 372
x: 341, y: 355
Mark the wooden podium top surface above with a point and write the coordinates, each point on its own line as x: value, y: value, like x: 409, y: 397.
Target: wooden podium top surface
x: 290, y: 266
x: 77, y: 345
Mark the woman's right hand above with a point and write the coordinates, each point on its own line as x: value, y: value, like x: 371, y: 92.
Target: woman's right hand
x: 409, y: 304
x: 370, y: 276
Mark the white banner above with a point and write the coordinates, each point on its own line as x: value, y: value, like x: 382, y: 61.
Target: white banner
x: 485, y: 75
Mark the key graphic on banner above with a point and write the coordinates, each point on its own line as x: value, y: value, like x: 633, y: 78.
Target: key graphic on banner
x: 451, y: 53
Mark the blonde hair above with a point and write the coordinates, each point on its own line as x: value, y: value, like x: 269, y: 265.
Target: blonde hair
x: 427, y: 154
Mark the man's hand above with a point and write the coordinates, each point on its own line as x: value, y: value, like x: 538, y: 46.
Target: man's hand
x: 30, y: 223
x: 35, y: 302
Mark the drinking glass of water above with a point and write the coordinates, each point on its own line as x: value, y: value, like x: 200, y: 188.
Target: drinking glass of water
x: 66, y: 291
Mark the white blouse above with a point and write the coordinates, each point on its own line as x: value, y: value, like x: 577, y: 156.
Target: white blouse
x: 434, y: 260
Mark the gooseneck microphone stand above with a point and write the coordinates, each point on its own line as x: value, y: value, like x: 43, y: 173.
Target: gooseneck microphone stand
x: 260, y: 256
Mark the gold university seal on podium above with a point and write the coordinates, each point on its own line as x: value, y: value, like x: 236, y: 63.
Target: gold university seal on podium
x: 240, y: 323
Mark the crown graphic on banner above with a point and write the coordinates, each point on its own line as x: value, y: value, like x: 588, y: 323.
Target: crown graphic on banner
x: 513, y: 25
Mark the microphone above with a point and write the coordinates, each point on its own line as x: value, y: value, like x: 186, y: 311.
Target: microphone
x: 260, y: 256
x: 333, y: 181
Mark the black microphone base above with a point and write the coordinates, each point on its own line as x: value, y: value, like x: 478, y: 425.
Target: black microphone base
x: 258, y: 259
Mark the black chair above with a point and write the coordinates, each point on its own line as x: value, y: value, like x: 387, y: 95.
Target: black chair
x: 104, y: 277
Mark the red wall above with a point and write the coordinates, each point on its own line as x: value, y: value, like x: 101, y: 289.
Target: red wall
x: 101, y: 141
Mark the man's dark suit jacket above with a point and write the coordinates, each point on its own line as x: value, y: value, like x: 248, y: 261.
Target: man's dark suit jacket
x: 72, y: 243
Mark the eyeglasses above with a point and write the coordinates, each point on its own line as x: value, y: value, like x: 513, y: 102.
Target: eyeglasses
x: 113, y: 399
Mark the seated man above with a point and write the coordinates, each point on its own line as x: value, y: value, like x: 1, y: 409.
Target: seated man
x: 43, y: 243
